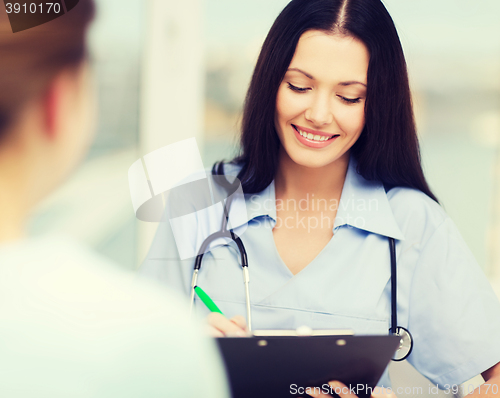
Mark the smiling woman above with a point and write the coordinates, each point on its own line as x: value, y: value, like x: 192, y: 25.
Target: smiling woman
x: 328, y: 118
x: 323, y: 107
x: 354, y: 46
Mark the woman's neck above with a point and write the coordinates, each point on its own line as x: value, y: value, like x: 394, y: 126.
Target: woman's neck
x: 296, y: 181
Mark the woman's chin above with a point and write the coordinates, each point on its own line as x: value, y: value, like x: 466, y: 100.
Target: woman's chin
x: 312, y: 160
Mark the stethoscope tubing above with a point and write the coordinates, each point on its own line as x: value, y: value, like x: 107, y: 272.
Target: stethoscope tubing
x: 227, y: 234
x: 395, y: 329
x: 394, y: 286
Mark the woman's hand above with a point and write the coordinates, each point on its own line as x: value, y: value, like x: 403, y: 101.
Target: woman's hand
x: 343, y: 392
x: 220, y: 326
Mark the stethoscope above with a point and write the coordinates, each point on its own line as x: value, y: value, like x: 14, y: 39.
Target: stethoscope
x: 406, y: 340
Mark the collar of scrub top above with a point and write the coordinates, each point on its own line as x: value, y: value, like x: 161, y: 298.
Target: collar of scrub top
x: 363, y: 204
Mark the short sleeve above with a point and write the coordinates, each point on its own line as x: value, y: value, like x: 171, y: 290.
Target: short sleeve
x: 454, y: 314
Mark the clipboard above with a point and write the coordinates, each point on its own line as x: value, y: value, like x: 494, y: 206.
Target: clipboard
x: 270, y: 366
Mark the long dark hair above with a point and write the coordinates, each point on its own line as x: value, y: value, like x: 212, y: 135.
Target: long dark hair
x: 387, y: 149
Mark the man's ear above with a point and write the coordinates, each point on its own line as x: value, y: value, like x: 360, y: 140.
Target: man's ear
x: 53, y: 100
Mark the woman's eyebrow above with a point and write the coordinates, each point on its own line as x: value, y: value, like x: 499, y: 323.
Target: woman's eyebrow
x: 348, y: 83
x: 301, y: 71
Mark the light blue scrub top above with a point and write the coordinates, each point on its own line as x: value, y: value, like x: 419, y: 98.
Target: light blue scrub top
x: 444, y: 298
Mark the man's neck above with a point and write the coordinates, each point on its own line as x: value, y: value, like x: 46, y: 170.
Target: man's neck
x: 15, y: 202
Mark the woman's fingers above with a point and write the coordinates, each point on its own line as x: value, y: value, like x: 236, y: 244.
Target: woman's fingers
x: 382, y: 393
x: 343, y: 391
x: 225, y: 326
x: 213, y: 332
x: 316, y: 393
x: 240, y: 321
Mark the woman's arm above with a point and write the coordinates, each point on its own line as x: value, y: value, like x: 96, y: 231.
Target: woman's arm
x: 493, y: 372
x: 491, y: 378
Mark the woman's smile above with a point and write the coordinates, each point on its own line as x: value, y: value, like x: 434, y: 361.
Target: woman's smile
x: 313, y: 138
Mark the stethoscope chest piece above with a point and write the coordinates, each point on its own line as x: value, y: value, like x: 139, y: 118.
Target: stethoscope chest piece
x: 405, y: 344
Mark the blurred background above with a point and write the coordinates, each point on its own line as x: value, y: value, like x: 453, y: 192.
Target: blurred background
x: 168, y: 70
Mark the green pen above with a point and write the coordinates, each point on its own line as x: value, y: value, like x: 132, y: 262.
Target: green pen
x: 207, y: 300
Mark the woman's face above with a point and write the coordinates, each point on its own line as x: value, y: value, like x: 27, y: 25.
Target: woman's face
x: 321, y: 100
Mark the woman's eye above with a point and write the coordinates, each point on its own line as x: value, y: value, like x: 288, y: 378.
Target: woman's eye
x: 349, y: 100
x: 297, y: 89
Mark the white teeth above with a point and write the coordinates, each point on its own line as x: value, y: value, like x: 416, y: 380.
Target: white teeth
x: 309, y: 136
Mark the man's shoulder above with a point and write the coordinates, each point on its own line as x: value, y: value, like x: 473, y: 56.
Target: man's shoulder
x: 66, y: 304
x: 75, y: 280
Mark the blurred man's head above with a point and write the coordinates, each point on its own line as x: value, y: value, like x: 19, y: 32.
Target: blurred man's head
x: 46, y: 101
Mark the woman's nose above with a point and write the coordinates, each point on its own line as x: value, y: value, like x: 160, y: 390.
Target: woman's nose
x: 320, y: 112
